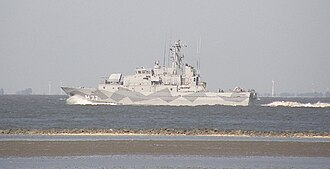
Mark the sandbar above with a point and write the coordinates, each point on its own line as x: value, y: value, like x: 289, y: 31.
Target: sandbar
x: 163, y: 147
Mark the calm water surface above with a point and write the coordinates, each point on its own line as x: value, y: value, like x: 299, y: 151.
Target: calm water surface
x: 47, y: 112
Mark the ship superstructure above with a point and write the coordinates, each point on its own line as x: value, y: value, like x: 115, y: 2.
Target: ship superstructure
x: 177, y: 84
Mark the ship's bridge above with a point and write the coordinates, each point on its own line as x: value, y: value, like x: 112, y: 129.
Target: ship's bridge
x: 143, y: 71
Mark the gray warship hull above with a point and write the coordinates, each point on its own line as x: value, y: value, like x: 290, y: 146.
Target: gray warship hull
x: 177, y: 84
x: 164, y: 97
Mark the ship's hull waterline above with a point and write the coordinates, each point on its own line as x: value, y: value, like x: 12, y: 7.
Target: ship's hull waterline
x: 165, y: 97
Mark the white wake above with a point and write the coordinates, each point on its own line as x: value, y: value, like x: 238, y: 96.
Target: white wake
x: 297, y: 104
x: 78, y: 100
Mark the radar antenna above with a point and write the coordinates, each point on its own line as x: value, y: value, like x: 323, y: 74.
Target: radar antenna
x: 177, y: 56
x: 199, y: 45
x: 164, y: 54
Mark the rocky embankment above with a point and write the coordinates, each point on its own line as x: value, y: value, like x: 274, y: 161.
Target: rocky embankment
x: 164, y: 131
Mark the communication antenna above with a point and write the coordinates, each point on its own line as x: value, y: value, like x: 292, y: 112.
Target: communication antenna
x: 164, y: 54
x: 169, y: 54
x: 199, y: 45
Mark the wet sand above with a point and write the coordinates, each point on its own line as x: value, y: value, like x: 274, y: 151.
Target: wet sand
x: 211, y: 148
x: 161, y: 147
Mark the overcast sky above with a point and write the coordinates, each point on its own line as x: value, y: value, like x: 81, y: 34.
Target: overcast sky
x: 244, y: 43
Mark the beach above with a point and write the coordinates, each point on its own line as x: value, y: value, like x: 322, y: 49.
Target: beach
x: 31, y: 148
x: 162, y: 151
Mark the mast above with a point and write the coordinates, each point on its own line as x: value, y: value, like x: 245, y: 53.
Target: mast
x: 177, y: 56
x: 164, y: 54
x: 199, y: 44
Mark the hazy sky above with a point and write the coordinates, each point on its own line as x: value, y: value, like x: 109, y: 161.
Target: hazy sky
x: 244, y: 43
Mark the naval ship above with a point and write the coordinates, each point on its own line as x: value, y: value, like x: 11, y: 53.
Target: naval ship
x: 178, y: 84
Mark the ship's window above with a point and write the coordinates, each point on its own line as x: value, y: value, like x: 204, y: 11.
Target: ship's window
x: 141, y: 88
x: 139, y: 72
x: 103, y: 87
x: 113, y: 88
x: 171, y: 89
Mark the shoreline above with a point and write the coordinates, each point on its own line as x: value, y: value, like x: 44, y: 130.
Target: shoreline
x: 164, y: 132
x: 165, y: 135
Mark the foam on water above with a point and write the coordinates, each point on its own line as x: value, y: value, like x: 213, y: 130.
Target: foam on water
x: 77, y: 100
x: 297, y: 104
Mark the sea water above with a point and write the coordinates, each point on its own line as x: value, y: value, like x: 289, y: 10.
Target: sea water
x: 272, y: 114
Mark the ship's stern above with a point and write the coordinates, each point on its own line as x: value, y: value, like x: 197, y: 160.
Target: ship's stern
x: 253, y: 98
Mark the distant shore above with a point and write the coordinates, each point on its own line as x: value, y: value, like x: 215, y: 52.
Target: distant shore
x: 165, y: 132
